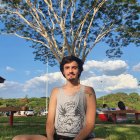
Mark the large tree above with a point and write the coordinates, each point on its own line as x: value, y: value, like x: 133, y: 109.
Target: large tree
x: 72, y: 27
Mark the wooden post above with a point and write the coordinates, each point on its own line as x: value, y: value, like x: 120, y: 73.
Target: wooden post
x: 114, y: 117
x: 11, y: 118
x: 136, y: 116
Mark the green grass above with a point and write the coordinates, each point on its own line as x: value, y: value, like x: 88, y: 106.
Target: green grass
x: 7, y: 132
x: 36, y: 125
x: 24, y: 119
x: 118, y: 132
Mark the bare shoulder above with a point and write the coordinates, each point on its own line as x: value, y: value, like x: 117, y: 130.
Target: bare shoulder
x: 89, y: 91
x: 55, y: 91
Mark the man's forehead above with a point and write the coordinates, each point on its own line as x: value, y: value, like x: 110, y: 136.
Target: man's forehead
x: 74, y: 63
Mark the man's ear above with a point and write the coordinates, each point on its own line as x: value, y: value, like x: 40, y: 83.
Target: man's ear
x: 63, y: 74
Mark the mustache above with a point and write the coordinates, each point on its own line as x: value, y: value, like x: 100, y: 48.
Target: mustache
x: 71, y: 73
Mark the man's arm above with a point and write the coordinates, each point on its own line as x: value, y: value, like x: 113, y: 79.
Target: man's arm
x: 90, y: 114
x: 51, y: 115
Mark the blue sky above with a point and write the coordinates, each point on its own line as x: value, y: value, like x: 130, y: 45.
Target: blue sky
x: 26, y: 77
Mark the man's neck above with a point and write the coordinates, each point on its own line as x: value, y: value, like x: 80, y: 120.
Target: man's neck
x: 72, y: 84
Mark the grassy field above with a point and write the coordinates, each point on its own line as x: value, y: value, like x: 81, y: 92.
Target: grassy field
x: 36, y: 125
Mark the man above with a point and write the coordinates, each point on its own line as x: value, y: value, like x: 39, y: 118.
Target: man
x: 72, y: 107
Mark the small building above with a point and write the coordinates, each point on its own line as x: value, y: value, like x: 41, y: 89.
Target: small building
x: 2, y: 79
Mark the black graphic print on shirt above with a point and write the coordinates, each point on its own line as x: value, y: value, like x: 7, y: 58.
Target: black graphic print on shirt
x: 70, y: 118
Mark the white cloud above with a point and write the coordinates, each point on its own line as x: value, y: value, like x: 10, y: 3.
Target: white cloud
x: 10, y: 89
x: 36, y: 72
x: 115, y: 67
x: 41, y: 86
x: 108, y: 84
x: 35, y: 87
x: 9, y: 69
x: 136, y: 67
x: 44, y: 83
x: 103, y: 84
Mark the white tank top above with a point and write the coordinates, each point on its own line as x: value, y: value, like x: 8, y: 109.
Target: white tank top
x: 70, y: 112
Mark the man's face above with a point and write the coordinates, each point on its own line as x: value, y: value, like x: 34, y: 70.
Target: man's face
x: 71, y: 71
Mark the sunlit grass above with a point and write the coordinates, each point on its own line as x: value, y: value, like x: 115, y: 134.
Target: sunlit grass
x: 7, y: 132
x: 118, y: 132
x: 36, y: 125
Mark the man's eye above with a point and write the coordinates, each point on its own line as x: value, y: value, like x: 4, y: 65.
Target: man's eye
x: 75, y: 68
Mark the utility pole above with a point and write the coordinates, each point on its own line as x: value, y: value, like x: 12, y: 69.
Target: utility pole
x: 102, y: 88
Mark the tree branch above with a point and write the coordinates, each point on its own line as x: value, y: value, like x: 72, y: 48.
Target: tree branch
x: 34, y: 40
x: 51, y: 8
x: 98, y: 38
x: 71, y: 30
x: 96, y: 9
x: 38, y: 41
x: 60, y: 22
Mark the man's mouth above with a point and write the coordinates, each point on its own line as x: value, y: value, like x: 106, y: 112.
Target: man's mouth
x: 71, y: 74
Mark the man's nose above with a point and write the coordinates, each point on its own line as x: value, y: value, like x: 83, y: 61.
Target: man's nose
x: 70, y: 70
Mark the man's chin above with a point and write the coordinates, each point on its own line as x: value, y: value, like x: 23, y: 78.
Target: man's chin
x: 72, y: 79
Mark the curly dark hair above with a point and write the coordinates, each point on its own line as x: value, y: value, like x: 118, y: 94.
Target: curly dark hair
x: 69, y: 59
x: 121, y: 105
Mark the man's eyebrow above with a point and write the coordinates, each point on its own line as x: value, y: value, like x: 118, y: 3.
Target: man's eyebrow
x: 75, y: 66
x: 66, y: 66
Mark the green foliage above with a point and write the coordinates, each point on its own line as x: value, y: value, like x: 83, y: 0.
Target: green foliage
x: 118, y: 20
x: 37, y: 104
x: 132, y: 100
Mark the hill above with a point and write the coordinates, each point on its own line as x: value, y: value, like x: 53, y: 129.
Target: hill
x: 131, y: 100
